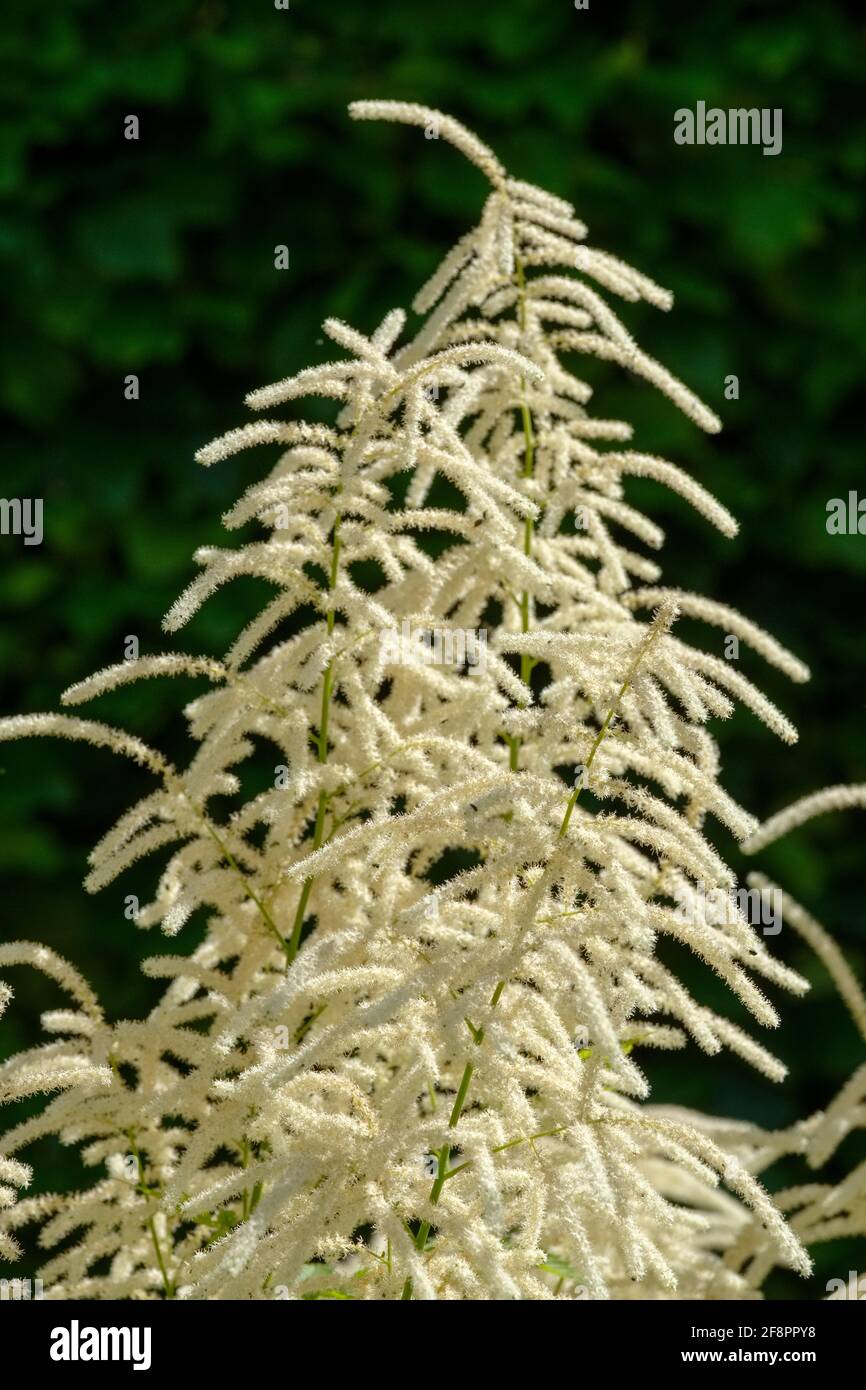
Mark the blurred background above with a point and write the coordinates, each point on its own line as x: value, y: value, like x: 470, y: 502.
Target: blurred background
x: 155, y: 257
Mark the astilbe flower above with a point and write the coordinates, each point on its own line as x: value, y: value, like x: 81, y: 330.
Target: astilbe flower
x: 819, y: 1211
x: 405, y: 1060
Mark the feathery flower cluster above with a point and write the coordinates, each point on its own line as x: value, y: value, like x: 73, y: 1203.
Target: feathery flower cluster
x: 819, y: 1211
x: 406, y: 1060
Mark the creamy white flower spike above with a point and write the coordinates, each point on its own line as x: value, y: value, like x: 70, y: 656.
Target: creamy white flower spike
x: 365, y: 1053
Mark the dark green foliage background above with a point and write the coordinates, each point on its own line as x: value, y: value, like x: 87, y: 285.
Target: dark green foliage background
x: 156, y: 257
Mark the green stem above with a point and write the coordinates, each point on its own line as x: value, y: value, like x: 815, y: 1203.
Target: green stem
x: 318, y: 835
x: 460, y: 1101
x: 249, y: 1199
x: 524, y: 605
x: 322, y: 749
x: 526, y: 666
x: 439, y: 1181
x: 167, y: 1283
x: 250, y: 892
x: 526, y: 661
x: 643, y: 648
x: 599, y: 738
